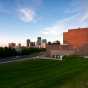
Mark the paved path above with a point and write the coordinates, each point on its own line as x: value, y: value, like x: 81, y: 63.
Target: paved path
x: 14, y: 60
x: 26, y: 58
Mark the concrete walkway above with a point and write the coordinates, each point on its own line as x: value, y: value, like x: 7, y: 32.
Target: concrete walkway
x: 14, y: 60
x: 28, y: 58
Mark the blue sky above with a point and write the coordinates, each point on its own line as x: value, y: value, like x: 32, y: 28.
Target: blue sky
x: 22, y: 19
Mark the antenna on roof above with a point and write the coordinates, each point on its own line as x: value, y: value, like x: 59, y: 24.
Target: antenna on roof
x: 57, y: 36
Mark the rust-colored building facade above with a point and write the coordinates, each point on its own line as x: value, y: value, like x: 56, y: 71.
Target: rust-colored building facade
x: 76, y: 37
x: 75, y: 41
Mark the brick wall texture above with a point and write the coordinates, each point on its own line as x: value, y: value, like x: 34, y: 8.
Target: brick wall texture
x: 76, y: 37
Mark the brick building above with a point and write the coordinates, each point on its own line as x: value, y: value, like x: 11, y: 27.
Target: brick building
x: 76, y: 37
x: 75, y: 41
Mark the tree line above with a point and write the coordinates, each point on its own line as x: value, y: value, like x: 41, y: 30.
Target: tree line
x: 10, y: 52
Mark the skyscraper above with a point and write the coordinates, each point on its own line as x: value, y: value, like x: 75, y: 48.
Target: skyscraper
x: 28, y: 42
x: 39, y: 42
x: 19, y: 45
x: 44, y: 42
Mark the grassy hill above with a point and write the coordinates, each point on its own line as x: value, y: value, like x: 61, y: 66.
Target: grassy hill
x: 69, y: 73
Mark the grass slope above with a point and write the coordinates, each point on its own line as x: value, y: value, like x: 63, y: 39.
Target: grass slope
x: 70, y: 73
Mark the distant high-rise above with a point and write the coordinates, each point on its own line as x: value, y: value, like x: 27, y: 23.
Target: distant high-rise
x: 19, y: 45
x: 32, y: 44
x: 28, y: 42
x: 44, y: 43
x: 12, y: 45
x: 39, y: 42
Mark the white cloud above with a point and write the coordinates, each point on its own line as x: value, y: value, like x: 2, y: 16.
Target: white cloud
x: 78, y: 17
x: 26, y: 15
x: 56, y: 30
x: 73, y: 8
x: 79, y: 6
x: 84, y: 17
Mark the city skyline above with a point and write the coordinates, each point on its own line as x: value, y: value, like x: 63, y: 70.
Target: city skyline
x: 23, y: 19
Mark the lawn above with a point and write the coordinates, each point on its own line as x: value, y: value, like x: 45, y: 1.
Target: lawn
x: 69, y: 73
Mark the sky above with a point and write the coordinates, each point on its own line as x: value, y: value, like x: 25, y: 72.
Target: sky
x: 28, y: 19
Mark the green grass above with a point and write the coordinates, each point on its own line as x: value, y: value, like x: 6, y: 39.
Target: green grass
x: 70, y: 73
